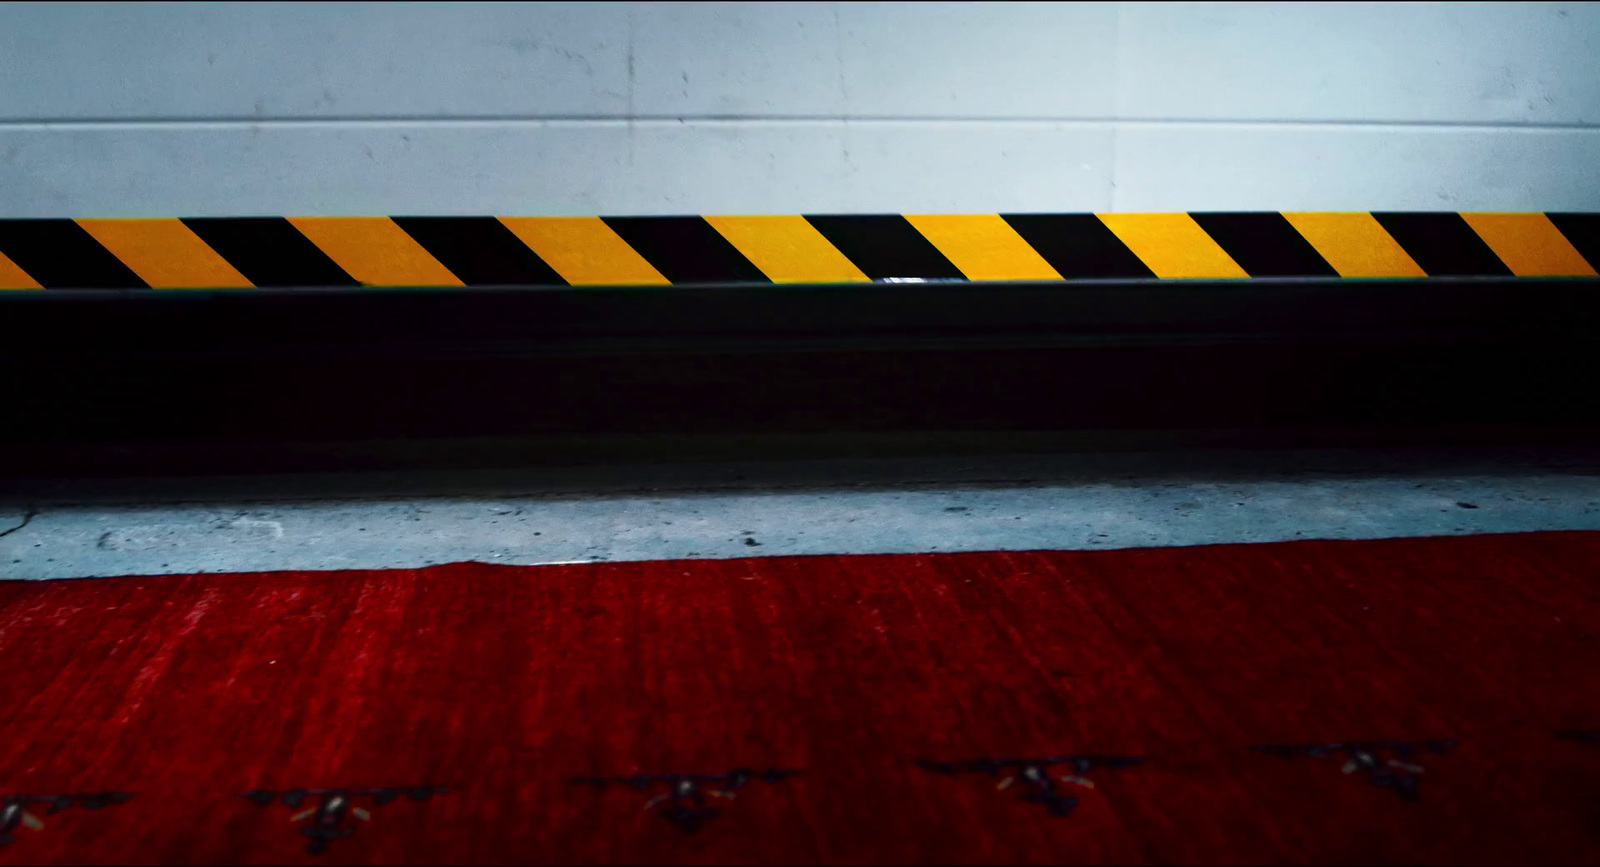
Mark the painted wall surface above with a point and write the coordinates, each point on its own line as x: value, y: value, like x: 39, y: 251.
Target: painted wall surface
x: 222, y: 109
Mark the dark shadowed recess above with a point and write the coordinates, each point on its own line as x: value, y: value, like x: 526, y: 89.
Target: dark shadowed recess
x: 239, y: 382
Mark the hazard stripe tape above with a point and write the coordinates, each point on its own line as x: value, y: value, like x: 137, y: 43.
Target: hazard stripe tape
x: 584, y: 251
x: 164, y: 253
x: 1355, y: 245
x: 269, y: 252
x: 1442, y: 245
x: 1528, y: 246
x: 376, y: 251
x: 230, y: 252
x: 13, y: 277
x: 60, y: 253
x: 1078, y: 246
x: 1173, y: 245
x: 886, y: 247
x: 1265, y: 245
x: 1582, y: 232
x: 983, y: 247
x: 788, y: 249
x: 686, y: 249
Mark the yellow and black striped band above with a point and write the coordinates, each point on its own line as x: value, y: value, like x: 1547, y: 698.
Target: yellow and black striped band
x: 500, y: 251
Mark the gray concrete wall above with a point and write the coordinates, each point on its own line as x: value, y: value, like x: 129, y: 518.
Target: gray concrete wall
x: 192, y: 109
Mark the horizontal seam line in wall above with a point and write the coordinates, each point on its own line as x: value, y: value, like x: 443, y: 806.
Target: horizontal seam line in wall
x: 471, y: 120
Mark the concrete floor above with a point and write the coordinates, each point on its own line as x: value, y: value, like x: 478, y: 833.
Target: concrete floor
x: 985, y: 510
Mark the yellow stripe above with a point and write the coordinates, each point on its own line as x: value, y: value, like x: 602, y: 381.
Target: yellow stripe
x: 1529, y: 244
x: 165, y: 254
x: 12, y: 277
x: 1172, y: 245
x: 375, y: 251
x: 1355, y: 245
x: 788, y: 249
x: 583, y: 250
x: 983, y: 246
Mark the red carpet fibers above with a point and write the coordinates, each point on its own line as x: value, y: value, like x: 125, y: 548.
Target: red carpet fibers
x: 505, y: 683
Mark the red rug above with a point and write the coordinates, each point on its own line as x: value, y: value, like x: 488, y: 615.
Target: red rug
x: 505, y: 684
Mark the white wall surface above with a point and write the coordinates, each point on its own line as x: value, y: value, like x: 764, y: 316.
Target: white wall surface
x: 200, y: 109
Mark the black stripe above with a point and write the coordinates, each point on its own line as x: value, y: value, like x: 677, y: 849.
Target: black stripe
x: 1264, y: 244
x: 1078, y: 246
x: 59, y: 254
x: 885, y: 246
x: 480, y: 251
x: 686, y: 249
x: 269, y: 251
x: 1583, y: 233
x: 1442, y: 244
